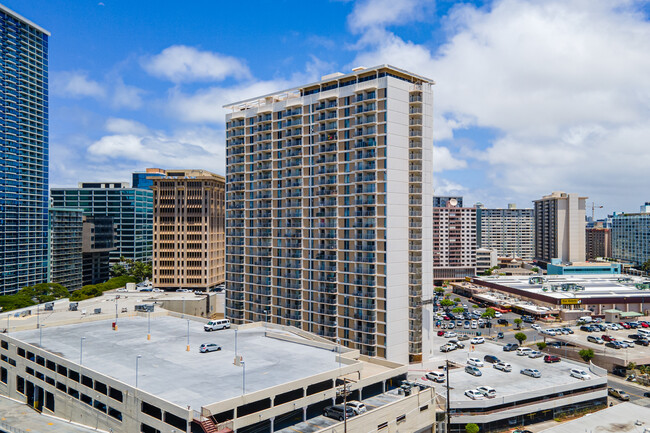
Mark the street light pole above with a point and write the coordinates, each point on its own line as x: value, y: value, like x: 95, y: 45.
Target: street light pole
x: 137, y: 358
x: 243, y: 383
x: 81, y: 350
x: 148, y: 325
x: 40, y: 330
x: 266, y: 320
x: 188, y: 335
x: 115, y: 313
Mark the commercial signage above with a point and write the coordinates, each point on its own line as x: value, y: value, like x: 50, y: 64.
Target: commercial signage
x: 570, y: 301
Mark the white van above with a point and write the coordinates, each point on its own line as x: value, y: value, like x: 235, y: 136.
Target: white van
x: 215, y: 325
x: 645, y: 333
x: 524, y: 351
x: 586, y: 319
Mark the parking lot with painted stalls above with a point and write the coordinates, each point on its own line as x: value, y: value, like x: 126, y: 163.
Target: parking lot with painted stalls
x: 519, y: 400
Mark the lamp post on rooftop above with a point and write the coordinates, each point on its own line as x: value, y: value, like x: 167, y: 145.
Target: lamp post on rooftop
x: 243, y: 383
x: 137, y: 358
x: 188, y: 335
x: 81, y: 350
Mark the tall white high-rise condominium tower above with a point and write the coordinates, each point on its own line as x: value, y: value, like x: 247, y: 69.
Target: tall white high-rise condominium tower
x: 328, y: 221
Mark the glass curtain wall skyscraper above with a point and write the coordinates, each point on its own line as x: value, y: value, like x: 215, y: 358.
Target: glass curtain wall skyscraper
x: 23, y: 152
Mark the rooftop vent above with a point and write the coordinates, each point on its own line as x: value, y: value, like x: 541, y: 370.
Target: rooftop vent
x: 358, y: 68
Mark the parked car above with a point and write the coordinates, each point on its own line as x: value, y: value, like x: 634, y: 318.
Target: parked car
x: 625, y: 325
x: 473, y: 370
x: 613, y: 345
x: 357, y: 407
x: 536, y: 327
x: 499, y: 335
x: 475, y: 361
x: 596, y: 340
x: 458, y: 344
x: 451, y: 325
x: 528, y: 319
x: 450, y: 334
x: 550, y: 332
x: 643, y: 342
x: 491, y: 359
x: 634, y: 337
x: 474, y: 394
x: 209, y: 347
x: 503, y: 322
x: 510, y: 347
x: 477, y: 340
x: 567, y: 330
x: 503, y: 366
x: 580, y: 374
x: 337, y: 412
x: 441, y: 333
x: 618, y: 393
x: 535, y: 354
x: 532, y: 372
x: 627, y: 343
x: 463, y: 337
x: 551, y: 358
x: 487, y: 391
x: 587, y: 328
x: 606, y: 337
x: 497, y: 314
x: 435, y: 376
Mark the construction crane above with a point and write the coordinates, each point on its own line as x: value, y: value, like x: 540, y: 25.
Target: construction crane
x: 593, y: 210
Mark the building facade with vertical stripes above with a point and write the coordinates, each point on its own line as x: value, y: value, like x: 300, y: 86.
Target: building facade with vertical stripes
x: 328, y: 217
x: 23, y: 152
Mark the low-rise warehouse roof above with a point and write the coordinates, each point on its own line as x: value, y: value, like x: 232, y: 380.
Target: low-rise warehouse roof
x: 624, y: 417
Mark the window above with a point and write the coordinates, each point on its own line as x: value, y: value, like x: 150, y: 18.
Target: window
x: 73, y: 392
x: 175, y: 421
x: 73, y: 375
x: 40, y: 360
x: 115, y: 394
x: 61, y: 370
x: 115, y: 413
x: 20, y: 351
x: 51, y: 365
x: 85, y: 380
x: 3, y: 375
x: 86, y: 399
x: 100, y: 387
x: 50, y: 380
x: 151, y: 410
x: 99, y: 406
x: 29, y: 370
x: 61, y: 387
x: 49, y: 401
x: 148, y: 429
x: 4, y: 345
x: 20, y: 385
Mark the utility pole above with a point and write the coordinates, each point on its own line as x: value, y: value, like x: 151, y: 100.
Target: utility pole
x: 447, y: 371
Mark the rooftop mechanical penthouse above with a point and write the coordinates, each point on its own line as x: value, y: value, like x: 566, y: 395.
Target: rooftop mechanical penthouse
x: 328, y: 210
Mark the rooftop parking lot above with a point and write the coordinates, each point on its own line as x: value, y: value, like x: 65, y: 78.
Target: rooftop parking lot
x: 552, y: 375
x: 198, y: 378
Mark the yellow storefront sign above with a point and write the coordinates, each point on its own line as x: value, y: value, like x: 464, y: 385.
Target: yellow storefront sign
x: 570, y: 301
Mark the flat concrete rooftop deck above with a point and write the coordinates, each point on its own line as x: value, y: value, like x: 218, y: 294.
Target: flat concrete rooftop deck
x: 168, y: 371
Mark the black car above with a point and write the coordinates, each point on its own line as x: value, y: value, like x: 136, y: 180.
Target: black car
x: 510, y: 347
x: 586, y: 328
x: 635, y: 337
x: 336, y: 412
x: 642, y: 342
x: 491, y: 359
x: 646, y: 394
x: 612, y: 344
x: 502, y: 322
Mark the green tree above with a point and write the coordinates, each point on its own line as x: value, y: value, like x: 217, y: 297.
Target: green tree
x: 118, y: 270
x: 631, y: 366
x: 447, y: 303
x: 489, y: 313
x: 586, y: 354
x: 456, y: 299
x: 535, y: 269
x: 518, y: 322
x: 471, y: 428
x: 474, y: 306
x: 646, y: 266
x: 520, y: 337
x: 439, y: 290
x: 541, y: 345
x: 642, y: 369
x: 458, y: 310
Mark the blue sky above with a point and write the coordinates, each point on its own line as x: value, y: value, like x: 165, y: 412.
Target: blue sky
x: 531, y: 97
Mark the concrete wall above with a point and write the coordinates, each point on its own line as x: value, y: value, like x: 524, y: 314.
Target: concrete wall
x: 202, y: 306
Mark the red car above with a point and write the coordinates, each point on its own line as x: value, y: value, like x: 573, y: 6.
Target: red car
x: 644, y: 324
x: 607, y: 338
x: 551, y: 358
x: 624, y: 325
x: 441, y: 333
x: 446, y: 318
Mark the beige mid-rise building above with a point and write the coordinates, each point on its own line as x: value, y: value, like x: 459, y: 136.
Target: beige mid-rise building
x: 598, y: 242
x: 188, y: 230
x: 454, y: 242
x: 560, y: 227
x: 329, y: 210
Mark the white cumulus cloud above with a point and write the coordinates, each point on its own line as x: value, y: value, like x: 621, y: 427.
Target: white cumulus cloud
x: 182, y: 63
x: 75, y: 84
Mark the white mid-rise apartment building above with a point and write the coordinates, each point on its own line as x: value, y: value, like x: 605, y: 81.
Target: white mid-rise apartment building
x: 560, y: 227
x: 510, y: 231
x: 454, y: 242
x: 328, y: 221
